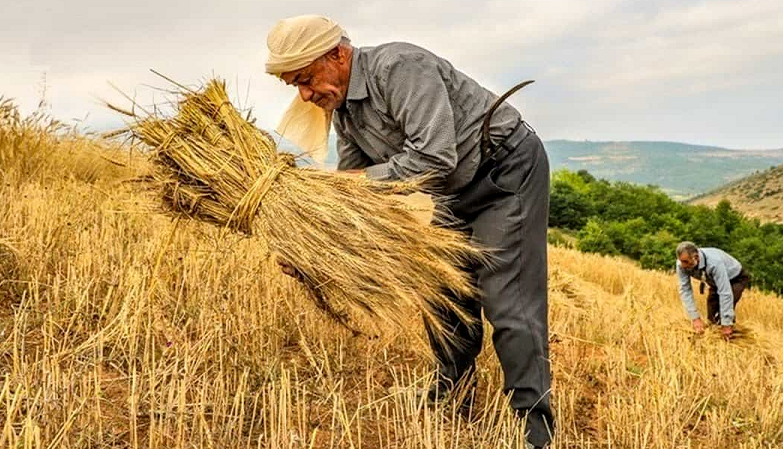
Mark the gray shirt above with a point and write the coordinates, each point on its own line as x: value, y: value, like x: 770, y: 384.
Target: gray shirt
x: 717, y: 268
x: 409, y: 112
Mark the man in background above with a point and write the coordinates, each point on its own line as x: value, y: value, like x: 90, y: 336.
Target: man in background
x: 726, y: 279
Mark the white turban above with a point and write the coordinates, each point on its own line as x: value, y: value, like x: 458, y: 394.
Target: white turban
x: 294, y: 43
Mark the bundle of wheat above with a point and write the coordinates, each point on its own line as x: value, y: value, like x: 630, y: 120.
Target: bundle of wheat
x: 353, y: 243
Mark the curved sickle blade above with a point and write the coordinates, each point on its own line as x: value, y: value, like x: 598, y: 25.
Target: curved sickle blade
x: 488, y: 117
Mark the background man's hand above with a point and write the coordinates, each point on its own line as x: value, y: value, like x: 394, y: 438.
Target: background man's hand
x: 727, y: 331
x: 698, y: 326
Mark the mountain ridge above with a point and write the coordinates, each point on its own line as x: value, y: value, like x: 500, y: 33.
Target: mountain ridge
x: 682, y: 170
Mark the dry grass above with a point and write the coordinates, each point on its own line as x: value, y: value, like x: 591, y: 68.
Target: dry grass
x: 36, y: 148
x: 128, y: 333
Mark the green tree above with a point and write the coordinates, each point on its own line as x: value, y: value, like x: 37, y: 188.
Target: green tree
x: 658, y: 250
x: 580, y: 182
x: 626, y: 236
x: 727, y: 217
x: 586, y: 176
x: 568, y: 208
x: 593, y: 239
x: 704, y: 229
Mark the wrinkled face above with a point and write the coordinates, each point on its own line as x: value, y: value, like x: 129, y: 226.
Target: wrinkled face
x: 689, y: 261
x: 325, y: 81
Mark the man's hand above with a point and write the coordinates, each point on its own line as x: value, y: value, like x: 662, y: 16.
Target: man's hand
x: 698, y: 326
x: 727, y: 331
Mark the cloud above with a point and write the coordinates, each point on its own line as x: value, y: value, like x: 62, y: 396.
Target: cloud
x: 702, y: 46
x: 695, y: 70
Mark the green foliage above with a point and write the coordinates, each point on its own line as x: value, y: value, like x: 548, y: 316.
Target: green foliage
x: 579, y: 181
x: 559, y: 238
x: 623, y: 235
x: 569, y: 208
x: 658, y: 249
x: 643, y: 223
x: 593, y: 239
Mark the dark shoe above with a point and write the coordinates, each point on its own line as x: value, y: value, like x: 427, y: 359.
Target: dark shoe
x: 533, y: 426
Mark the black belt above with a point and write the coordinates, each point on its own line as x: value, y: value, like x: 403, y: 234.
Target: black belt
x: 501, y: 150
x: 509, y: 143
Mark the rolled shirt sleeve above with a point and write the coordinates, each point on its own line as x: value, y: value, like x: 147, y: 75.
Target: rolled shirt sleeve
x: 725, y: 295
x: 418, y: 100
x: 686, y: 293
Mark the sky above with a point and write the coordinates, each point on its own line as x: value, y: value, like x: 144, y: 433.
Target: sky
x: 704, y: 72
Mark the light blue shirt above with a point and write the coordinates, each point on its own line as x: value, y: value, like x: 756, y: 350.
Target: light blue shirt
x: 717, y: 268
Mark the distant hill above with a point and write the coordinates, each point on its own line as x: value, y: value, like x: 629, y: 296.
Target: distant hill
x: 759, y: 195
x: 681, y: 170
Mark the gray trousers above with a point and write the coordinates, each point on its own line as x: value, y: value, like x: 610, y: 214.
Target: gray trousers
x: 506, y: 207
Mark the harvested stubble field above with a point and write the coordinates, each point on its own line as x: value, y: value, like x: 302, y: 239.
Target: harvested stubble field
x: 122, y: 328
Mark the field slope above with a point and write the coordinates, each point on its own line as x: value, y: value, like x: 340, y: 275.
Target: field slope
x: 759, y: 195
x: 122, y: 328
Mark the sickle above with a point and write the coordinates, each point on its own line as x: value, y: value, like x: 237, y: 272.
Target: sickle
x: 488, y: 117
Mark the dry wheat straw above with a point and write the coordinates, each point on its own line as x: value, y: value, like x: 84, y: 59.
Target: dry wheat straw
x: 358, y: 249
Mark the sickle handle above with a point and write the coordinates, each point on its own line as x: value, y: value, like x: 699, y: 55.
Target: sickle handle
x: 488, y: 117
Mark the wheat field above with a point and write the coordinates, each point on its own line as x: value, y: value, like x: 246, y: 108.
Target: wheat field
x: 120, y: 328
